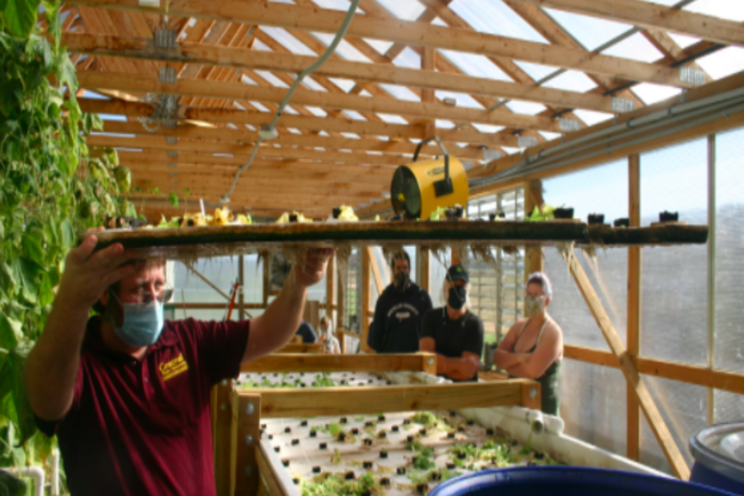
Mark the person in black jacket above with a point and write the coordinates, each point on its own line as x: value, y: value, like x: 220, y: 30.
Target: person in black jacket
x: 399, y: 310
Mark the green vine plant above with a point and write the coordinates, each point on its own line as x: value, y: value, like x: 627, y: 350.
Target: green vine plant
x: 51, y: 188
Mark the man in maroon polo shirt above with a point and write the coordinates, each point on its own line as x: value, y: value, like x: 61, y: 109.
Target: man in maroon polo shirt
x: 128, y: 394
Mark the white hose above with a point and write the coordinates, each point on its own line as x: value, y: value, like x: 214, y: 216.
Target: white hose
x: 33, y: 472
x: 323, y: 58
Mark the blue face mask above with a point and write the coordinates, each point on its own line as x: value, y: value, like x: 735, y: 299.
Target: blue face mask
x: 143, y: 323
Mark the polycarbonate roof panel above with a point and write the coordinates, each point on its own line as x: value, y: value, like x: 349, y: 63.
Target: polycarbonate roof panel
x: 652, y: 93
x: 463, y: 99
x: 408, y: 58
x: 528, y: 108
x: 260, y: 46
x: 444, y: 124
x: 549, y: 136
x: 407, y: 10
x: 475, y: 65
x: 344, y: 49
x: 344, y: 84
x: 635, y: 47
x: 353, y: 114
x: 379, y: 45
x: 591, y: 32
x: 288, y: 41
x: 400, y: 92
x: 535, y: 71
x: 318, y: 112
x: 724, y: 62
x: 571, y: 81
x: 494, y: 17
x: 392, y: 119
x: 682, y: 40
x: 312, y: 84
x: 591, y: 117
x: 268, y: 76
x: 487, y: 128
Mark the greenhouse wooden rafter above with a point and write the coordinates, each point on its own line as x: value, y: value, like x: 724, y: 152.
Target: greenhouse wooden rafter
x: 234, y: 60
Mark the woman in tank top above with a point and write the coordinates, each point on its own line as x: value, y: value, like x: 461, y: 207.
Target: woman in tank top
x: 533, y: 347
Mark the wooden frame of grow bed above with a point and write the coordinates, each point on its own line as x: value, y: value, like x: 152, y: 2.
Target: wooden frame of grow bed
x: 241, y: 467
x: 253, y: 469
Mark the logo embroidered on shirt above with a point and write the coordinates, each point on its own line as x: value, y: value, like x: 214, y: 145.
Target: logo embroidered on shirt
x: 174, y: 367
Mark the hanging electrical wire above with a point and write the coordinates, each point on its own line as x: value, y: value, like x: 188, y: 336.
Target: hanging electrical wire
x: 268, y: 131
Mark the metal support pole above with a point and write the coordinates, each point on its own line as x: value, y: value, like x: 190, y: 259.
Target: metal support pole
x: 241, y: 287
x: 711, y: 270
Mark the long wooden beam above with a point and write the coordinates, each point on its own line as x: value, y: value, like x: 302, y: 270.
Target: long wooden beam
x: 271, y: 182
x: 407, y: 32
x: 283, y: 403
x: 357, y: 71
x: 247, y: 136
x: 655, y: 420
x: 651, y: 15
x: 249, y: 191
x: 207, y: 147
x: 342, y: 363
x: 207, y: 162
x: 361, y: 128
x: 692, y: 374
x: 241, y: 91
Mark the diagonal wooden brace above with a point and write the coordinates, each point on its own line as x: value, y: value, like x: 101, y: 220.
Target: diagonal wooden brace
x: 655, y: 420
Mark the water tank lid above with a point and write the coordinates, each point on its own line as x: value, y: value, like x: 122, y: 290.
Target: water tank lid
x: 720, y: 448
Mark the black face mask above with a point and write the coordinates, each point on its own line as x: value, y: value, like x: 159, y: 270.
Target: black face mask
x: 457, y: 297
x: 401, y: 281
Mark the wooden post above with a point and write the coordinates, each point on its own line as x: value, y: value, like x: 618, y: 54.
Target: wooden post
x: 247, y: 439
x: 429, y: 363
x: 223, y: 413
x: 534, y: 261
x: 330, y: 274
x: 423, y: 258
x: 634, y: 305
x: 428, y: 63
x: 340, y: 308
x: 241, y: 287
x: 655, y: 420
x: 376, y: 270
x: 365, y: 289
x: 266, y: 280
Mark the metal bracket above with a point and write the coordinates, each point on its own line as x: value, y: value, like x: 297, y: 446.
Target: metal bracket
x: 165, y: 38
x: 622, y: 105
x: 167, y: 75
x: 568, y: 124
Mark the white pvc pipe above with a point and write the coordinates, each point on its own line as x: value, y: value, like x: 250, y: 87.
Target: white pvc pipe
x: 33, y: 472
x: 55, y: 473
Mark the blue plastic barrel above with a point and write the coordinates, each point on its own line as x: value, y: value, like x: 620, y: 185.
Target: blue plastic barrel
x: 719, y: 457
x: 568, y: 481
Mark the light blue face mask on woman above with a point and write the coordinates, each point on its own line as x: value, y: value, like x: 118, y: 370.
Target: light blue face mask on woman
x: 143, y: 323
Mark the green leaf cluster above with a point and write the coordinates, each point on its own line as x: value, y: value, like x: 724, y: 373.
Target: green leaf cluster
x: 51, y: 188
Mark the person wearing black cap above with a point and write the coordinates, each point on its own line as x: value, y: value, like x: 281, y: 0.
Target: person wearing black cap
x: 453, y: 332
x: 399, y: 310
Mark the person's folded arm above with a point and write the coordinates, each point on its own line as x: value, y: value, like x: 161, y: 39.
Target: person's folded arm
x: 503, y: 357
x: 548, y: 351
x: 462, y: 368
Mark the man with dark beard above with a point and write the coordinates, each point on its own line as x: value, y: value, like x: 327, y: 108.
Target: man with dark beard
x: 399, y: 310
